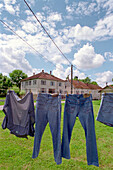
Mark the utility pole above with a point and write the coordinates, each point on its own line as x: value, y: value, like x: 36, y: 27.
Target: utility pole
x: 71, y: 79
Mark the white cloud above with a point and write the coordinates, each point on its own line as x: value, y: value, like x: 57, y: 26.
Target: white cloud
x: 106, y: 4
x: 12, y: 54
x: 11, y: 60
x: 76, y: 72
x: 62, y: 73
x: 81, y: 33
x: 104, y: 77
x: 10, y: 9
x: 109, y: 56
x: 103, y: 30
x: 59, y: 71
x: 66, y: 1
x: 109, y: 6
x: 104, y: 27
x: 1, y: 5
x: 54, y: 17
x: 9, y: 6
x: 69, y: 9
x: 28, y: 27
x: 82, y: 8
x: 86, y: 58
x: 65, y: 39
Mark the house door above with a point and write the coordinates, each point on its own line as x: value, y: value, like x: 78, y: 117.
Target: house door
x: 51, y: 90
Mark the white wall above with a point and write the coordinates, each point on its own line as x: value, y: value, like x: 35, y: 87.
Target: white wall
x: 38, y: 86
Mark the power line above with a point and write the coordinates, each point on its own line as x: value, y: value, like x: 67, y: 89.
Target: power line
x: 51, y: 37
x: 47, y: 33
x: 26, y: 42
x: 33, y: 47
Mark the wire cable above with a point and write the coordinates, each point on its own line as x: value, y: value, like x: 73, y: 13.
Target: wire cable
x: 47, y: 33
x: 51, y: 38
x: 34, y: 48
x: 26, y: 42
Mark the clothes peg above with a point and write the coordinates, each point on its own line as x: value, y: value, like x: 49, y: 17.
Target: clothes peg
x: 67, y: 93
x: 86, y: 95
x: 55, y: 94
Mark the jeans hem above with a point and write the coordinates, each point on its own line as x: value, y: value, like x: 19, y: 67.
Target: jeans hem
x: 94, y: 163
x: 58, y: 163
x: 34, y: 157
x: 66, y: 157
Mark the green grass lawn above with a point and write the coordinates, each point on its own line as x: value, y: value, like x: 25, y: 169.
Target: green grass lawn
x: 2, y: 102
x: 16, y: 153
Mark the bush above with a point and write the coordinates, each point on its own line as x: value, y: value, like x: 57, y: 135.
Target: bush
x: 21, y: 93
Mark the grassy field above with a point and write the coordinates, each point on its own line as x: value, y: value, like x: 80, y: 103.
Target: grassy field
x: 2, y: 102
x: 16, y: 153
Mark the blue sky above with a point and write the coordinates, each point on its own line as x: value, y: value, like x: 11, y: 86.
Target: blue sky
x: 83, y: 30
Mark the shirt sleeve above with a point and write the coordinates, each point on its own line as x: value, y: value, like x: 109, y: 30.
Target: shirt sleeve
x: 5, y: 108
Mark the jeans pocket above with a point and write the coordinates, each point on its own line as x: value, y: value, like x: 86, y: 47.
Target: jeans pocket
x: 71, y: 109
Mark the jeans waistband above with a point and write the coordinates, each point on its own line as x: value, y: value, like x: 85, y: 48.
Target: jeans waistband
x: 78, y: 98
x: 46, y: 97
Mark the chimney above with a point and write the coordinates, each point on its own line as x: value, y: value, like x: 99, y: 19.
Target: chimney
x: 33, y: 74
x: 50, y: 72
x: 106, y: 83
x: 42, y: 71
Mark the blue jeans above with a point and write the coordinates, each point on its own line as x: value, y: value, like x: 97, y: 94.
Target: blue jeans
x: 48, y: 109
x: 105, y: 114
x: 78, y: 106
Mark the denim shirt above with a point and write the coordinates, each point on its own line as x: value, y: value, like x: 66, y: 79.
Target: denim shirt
x: 19, y: 114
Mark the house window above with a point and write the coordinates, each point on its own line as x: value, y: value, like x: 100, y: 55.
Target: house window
x: 43, y: 90
x: 43, y: 82
x: 60, y: 91
x: 51, y: 91
x: 26, y: 83
x: 65, y: 92
x: 34, y: 82
x: 60, y: 84
x: 52, y: 83
x: 30, y: 82
x: 77, y: 92
x: 65, y: 87
x: 82, y: 92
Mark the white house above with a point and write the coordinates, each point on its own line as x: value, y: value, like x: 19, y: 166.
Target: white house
x: 48, y: 83
x: 106, y: 89
x: 44, y: 83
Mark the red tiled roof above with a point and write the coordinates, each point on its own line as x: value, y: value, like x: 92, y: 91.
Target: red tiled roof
x: 43, y: 75
x: 81, y: 85
x: 111, y: 86
x: 93, y: 86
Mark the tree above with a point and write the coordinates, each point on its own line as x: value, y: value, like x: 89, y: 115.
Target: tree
x: 86, y: 80
x: 67, y: 78
x: 76, y: 78
x: 16, y: 77
x: 94, y: 82
x: 5, y: 83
